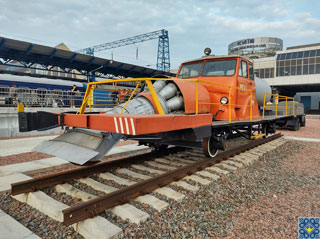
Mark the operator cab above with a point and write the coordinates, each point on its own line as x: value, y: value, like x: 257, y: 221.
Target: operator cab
x: 212, y: 66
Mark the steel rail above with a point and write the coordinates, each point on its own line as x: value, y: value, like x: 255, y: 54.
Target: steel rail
x: 35, y: 184
x: 95, y: 206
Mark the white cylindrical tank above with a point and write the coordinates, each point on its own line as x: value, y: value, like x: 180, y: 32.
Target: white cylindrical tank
x: 262, y: 87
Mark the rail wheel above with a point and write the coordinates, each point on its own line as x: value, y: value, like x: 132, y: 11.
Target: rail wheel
x: 160, y: 148
x: 208, y: 147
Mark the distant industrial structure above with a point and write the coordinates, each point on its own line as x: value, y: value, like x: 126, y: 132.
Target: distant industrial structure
x: 163, y: 55
x: 294, y: 71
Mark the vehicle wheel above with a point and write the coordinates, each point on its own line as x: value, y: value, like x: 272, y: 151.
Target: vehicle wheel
x: 303, y: 122
x: 207, y: 147
x: 296, y: 126
x: 160, y: 148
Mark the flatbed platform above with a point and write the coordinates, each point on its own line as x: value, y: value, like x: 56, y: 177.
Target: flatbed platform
x: 223, y: 123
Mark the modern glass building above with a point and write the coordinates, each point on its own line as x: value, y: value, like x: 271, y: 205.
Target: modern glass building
x: 295, y: 72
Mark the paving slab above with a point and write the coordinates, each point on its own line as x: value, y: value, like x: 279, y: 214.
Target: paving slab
x: 126, y: 148
x: 97, y: 185
x: 6, y: 181
x: 302, y: 139
x: 32, y: 166
x: 159, y: 165
x: 21, y: 145
x: 218, y: 170
x: 132, y: 173
x: 185, y: 186
x: 147, y: 169
x: 154, y: 202
x: 197, y: 179
x: 208, y: 175
x: 170, y: 193
x: 127, y: 211
x: 12, y: 229
x: 114, y: 178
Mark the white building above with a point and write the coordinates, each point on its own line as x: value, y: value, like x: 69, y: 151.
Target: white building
x: 293, y: 72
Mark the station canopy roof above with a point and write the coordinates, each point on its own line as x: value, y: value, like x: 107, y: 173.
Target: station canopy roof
x: 31, y: 53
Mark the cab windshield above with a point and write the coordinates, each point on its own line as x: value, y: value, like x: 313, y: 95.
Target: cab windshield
x: 219, y: 68
x: 190, y: 70
x: 211, y: 68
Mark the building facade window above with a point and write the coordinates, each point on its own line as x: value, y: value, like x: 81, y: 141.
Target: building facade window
x: 264, y: 72
x: 298, y: 63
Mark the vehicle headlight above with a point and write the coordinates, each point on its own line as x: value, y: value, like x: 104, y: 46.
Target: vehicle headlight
x: 224, y: 100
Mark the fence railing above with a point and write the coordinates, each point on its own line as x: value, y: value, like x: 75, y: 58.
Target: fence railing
x: 12, y: 96
x: 277, y: 99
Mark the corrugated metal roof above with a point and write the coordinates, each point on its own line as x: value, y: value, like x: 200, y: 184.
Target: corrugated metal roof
x: 50, y: 56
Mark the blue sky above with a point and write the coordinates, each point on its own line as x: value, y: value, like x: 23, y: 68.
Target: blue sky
x: 192, y: 25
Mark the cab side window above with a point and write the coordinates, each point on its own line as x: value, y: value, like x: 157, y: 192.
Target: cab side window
x: 251, y: 72
x: 243, y: 70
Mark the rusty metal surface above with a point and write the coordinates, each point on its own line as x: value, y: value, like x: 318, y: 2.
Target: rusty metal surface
x: 93, y: 207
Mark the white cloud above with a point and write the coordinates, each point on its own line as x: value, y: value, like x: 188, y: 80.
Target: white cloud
x: 302, y: 15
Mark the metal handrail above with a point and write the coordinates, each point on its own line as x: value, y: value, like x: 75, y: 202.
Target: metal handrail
x: 276, y: 105
x: 12, y: 96
x: 92, y: 86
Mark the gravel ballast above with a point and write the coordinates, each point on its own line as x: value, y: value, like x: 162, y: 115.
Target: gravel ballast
x: 232, y: 207
x: 263, y: 200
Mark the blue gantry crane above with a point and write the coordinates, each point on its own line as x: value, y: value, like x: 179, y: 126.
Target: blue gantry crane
x: 163, y: 56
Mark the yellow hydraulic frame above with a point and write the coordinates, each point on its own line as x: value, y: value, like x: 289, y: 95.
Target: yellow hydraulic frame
x: 92, y: 86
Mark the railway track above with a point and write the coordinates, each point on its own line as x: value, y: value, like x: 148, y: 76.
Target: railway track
x: 137, y: 178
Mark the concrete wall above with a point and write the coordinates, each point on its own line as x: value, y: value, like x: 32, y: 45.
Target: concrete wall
x: 9, y: 126
x: 315, y: 99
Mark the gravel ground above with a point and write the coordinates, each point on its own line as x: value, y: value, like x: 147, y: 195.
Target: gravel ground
x: 312, y: 130
x: 262, y: 201
x: 24, y: 157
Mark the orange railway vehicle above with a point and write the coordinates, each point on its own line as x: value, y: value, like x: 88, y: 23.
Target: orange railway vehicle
x: 211, y: 100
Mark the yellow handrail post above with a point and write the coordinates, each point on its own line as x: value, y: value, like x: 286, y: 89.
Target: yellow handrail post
x: 155, y: 97
x: 229, y: 104
x: 90, y: 88
x: 197, y: 94
x: 251, y: 105
x: 264, y: 105
x: 277, y: 99
x: 286, y: 105
x: 130, y: 97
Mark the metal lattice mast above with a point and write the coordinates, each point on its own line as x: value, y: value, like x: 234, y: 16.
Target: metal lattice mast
x: 163, y: 56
